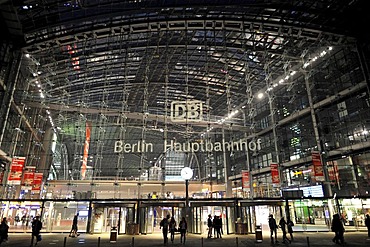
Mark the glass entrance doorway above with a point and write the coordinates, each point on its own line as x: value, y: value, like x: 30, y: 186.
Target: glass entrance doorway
x: 200, y: 217
x: 104, y: 218
x: 151, y: 216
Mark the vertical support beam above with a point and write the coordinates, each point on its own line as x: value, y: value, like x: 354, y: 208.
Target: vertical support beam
x: 364, y: 66
x: 228, y: 185
x: 248, y: 162
x: 317, y: 134
x: 89, y: 217
x: 9, y: 96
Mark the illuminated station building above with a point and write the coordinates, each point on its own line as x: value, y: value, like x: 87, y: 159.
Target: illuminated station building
x: 126, y: 111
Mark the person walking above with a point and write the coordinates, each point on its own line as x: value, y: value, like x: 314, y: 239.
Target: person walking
x: 74, y: 229
x: 4, y: 228
x: 273, y: 229
x: 338, y: 229
x: 183, y: 228
x: 164, y: 225
x: 367, y: 224
x: 36, y: 228
x: 290, y: 225
x: 282, y: 224
x: 172, y: 228
x: 210, y: 226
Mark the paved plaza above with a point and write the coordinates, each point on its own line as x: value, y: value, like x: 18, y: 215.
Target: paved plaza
x: 103, y: 240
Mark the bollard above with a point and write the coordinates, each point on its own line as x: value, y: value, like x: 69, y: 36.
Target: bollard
x: 98, y: 241
x: 308, y: 241
x: 202, y: 241
x: 65, y: 241
x: 237, y: 241
x: 133, y: 242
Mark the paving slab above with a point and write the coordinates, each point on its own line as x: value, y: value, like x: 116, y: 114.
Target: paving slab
x: 309, y: 239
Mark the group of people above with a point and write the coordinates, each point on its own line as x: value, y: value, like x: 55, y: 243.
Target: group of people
x: 284, y: 226
x: 169, y: 225
x: 36, y: 228
x: 336, y: 227
x: 215, y: 225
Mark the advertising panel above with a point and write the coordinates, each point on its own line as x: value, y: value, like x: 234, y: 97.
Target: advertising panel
x: 37, y: 181
x: 16, y: 170
x: 1, y: 177
x: 275, y: 173
x: 317, y: 166
x: 27, y: 182
x: 245, y: 179
x: 86, y: 151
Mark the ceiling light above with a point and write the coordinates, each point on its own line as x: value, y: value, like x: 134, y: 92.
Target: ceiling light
x: 260, y: 95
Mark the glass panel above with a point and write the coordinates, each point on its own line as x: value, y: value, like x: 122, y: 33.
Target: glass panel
x: 20, y: 214
x: 229, y: 228
x: 58, y: 216
x: 197, y: 220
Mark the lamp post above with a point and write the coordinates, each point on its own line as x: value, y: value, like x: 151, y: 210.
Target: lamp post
x: 187, y: 197
x: 187, y: 173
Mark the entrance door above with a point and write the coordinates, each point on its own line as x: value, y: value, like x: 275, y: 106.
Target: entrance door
x: 151, y: 216
x: 200, y: 217
x: 147, y: 219
x: 112, y: 218
x: 197, y: 220
x: 104, y: 218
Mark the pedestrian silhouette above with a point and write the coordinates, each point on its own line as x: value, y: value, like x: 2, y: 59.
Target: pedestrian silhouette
x: 183, y: 228
x: 74, y: 229
x: 367, y: 224
x: 338, y: 229
x: 164, y: 225
x: 172, y: 228
x: 282, y: 224
x: 4, y: 228
x: 290, y: 225
x: 36, y: 228
x: 273, y: 228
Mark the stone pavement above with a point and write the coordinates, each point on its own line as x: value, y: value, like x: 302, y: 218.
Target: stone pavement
x: 309, y: 239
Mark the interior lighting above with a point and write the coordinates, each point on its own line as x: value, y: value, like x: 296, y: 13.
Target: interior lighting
x: 260, y: 95
x: 28, y: 55
x: 281, y: 81
x: 365, y: 132
x: 323, y: 53
x: 306, y: 64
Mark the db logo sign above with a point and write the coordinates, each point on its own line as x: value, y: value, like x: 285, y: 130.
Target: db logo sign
x: 186, y: 111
